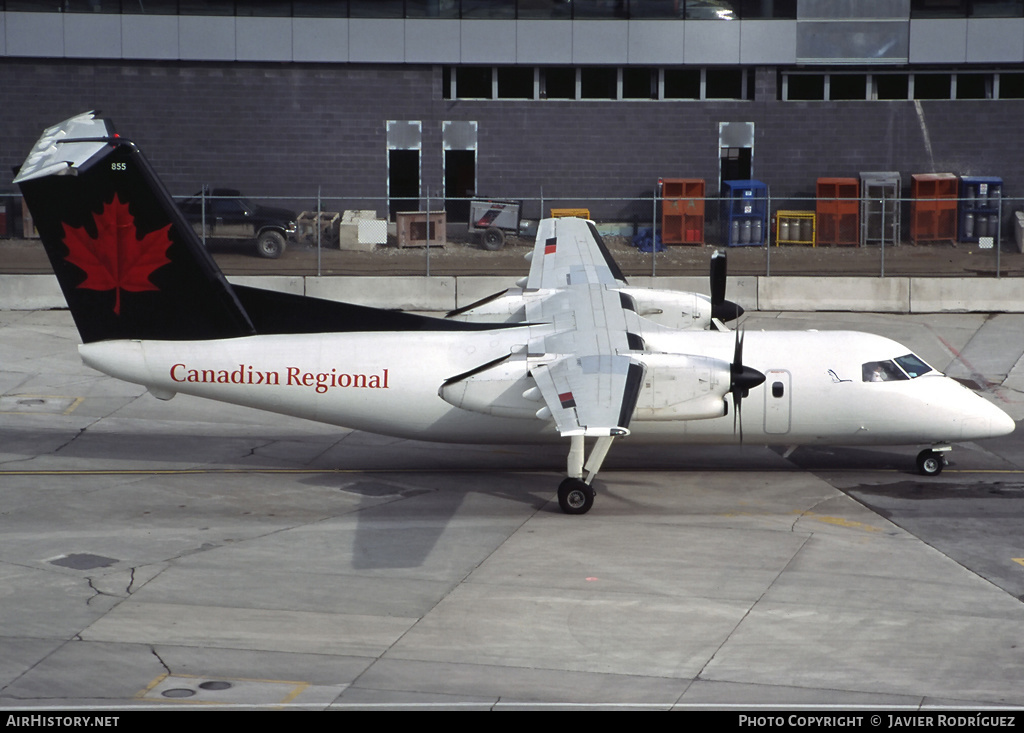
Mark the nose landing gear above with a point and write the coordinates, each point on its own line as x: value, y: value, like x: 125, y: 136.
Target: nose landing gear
x: 931, y: 461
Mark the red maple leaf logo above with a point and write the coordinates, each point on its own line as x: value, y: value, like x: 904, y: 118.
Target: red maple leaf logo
x: 117, y: 258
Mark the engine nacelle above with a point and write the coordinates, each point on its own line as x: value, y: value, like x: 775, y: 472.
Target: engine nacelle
x: 508, y: 306
x: 503, y: 390
x: 682, y: 387
x: 672, y: 308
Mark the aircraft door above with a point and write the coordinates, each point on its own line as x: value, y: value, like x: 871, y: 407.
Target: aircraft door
x: 777, y: 401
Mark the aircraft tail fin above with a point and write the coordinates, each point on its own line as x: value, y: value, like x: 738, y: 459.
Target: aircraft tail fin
x: 129, y: 264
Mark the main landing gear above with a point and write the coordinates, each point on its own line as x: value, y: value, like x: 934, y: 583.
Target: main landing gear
x: 575, y: 495
x: 931, y: 461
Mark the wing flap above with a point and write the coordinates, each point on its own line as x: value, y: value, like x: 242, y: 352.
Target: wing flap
x: 590, y: 395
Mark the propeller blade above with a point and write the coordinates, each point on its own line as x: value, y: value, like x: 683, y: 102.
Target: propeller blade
x: 718, y: 267
x: 742, y: 379
x: 726, y: 311
x: 722, y: 309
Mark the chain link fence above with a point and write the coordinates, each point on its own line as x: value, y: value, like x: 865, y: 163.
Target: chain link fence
x: 975, y: 236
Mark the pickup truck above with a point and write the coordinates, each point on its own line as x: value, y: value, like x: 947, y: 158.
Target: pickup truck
x: 231, y: 216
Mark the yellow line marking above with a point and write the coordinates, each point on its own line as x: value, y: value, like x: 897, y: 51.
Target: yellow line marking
x: 838, y: 521
x: 1018, y: 560
x: 296, y: 688
x: 152, y: 684
x: 75, y: 402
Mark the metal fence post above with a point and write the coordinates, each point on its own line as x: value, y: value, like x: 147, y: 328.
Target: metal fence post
x: 999, y: 232
x: 881, y: 248
x: 319, y: 215
x: 654, y: 233
x: 202, y: 207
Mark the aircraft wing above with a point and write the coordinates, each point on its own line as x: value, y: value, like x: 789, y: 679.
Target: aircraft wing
x: 580, y: 356
x: 570, y: 252
x: 592, y: 386
x: 589, y: 355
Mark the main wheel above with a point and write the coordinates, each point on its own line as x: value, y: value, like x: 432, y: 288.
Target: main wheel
x: 270, y: 245
x: 930, y: 462
x: 575, y: 497
x: 493, y: 239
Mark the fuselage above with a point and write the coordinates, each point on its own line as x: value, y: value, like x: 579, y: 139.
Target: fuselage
x: 816, y: 391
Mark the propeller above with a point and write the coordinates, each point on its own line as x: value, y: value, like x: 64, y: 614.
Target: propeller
x: 742, y: 380
x: 722, y: 309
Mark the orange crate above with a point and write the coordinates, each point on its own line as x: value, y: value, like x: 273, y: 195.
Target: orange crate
x: 682, y: 211
x: 933, y: 207
x: 838, y: 211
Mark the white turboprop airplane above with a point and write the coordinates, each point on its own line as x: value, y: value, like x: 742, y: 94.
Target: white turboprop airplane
x: 580, y: 362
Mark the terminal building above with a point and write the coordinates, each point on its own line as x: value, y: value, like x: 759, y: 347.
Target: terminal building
x: 582, y: 102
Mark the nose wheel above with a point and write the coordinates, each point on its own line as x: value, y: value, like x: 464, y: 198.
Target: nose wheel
x: 930, y: 462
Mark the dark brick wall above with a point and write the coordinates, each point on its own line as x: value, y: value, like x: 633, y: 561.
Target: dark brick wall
x: 282, y: 130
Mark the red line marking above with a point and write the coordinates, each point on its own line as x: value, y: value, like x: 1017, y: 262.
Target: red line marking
x: 989, y: 386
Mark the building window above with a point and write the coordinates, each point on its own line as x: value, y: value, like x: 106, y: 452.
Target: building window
x: 639, y: 82
x: 473, y: 82
x: 489, y: 9
x: 682, y: 83
x: 598, y: 82
x: 376, y: 8
x: 932, y: 86
x: 848, y: 86
x: 1011, y: 86
x: 895, y: 86
x: 725, y: 84
x: 721, y: 10
x: 974, y: 86
x: 558, y: 82
x: 492, y: 9
x: 966, y: 8
x: 629, y: 83
x: 891, y: 86
x: 515, y: 82
x: 432, y: 8
x: 804, y: 87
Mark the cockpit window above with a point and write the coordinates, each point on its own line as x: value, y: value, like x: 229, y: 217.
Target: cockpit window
x: 881, y: 371
x: 910, y: 367
x: 913, y: 366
